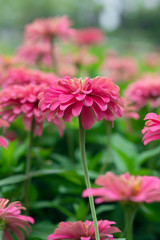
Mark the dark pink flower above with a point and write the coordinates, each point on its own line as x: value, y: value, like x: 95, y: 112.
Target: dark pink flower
x: 120, y: 69
x: 83, y: 230
x: 24, y: 76
x: 91, y: 99
x: 143, y: 91
x: 3, y: 142
x: 88, y: 36
x: 151, y: 130
x: 12, y: 220
x: 49, y: 28
x: 125, y: 188
x: 19, y: 97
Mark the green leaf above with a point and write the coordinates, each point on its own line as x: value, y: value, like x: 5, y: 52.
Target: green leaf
x: 143, y: 157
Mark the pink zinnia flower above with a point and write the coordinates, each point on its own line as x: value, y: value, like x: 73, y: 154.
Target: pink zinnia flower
x: 88, y: 36
x: 3, y: 142
x: 39, y: 53
x: 91, y: 99
x: 120, y: 69
x: 49, y: 28
x: 125, y: 187
x: 12, y: 220
x: 24, y: 76
x: 152, y: 59
x: 143, y: 91
x: 151, y: 130
x: 20, y: 97
x: 83, y: 230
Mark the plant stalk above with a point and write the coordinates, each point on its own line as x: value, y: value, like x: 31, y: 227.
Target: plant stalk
x: 28, y: 163
x: 129, y: 213
x: 86, y: 175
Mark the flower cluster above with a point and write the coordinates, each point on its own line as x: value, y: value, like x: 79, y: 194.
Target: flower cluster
x: 11, y: 220
x: 91, y: 99
x: 125, y: 187
x: 83, y: 230
x: 143, y: 91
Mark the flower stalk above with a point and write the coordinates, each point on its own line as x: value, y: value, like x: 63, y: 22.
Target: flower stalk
x: 86, y: 175
x: 28, y: 163
x: 129, y: 213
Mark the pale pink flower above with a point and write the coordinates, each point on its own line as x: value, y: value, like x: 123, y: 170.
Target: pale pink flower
x: 91, y: 99
x: 151, y: 130
x: 31, y: 53
x: 125, y: 187
x: 120, y: 69
x: 143, y: 91
x: 83, y: 57
x: 83, y: 230
x: 12, y: 220
x: 49, y: 28
x: 152, y: 59
x: 88, y: 36
x: 24, y: 76
x: 130, y: 111
x: 3, y: 142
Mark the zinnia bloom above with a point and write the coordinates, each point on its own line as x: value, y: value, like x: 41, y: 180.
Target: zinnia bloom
x: 19, y: 97
x: 83, y: 230
x: 3, y: 142
x: 39, y: 53
x: 143, y: 91
x: 24, y: 76
x: 125, y: 187
x: 49, y: 28
x: 12, y: 220
x: 120, y: 69
x: 88, y: 36
x: 151, y: 130
x: 91, y: 99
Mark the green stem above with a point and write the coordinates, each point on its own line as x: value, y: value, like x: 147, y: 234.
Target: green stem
x: 86, y: 175
x: 1, y: 234
x: 54, y: 63
x: 108, y: 148
x: 28, y: 163
x: 129, y: 213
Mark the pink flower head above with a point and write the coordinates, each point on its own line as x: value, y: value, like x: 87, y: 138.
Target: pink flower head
x: 119, y: 68
x: 125, y: 188
x: 88, y: 36
x: 152, y: 59
x: 3, y: 142
x: 83, y: 230
x: 12, y: 220
x: 151, y: 130
x: 39, y: 53
x: 143, y: 91
x: 91, y: 99
x: 24, y: 76
x: 49, y: 28
x: 20, y: 97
